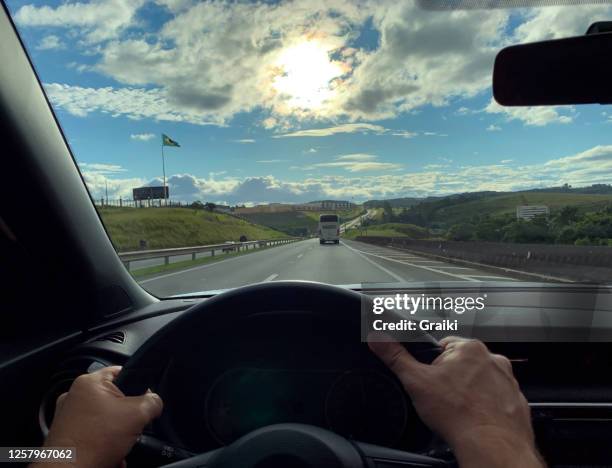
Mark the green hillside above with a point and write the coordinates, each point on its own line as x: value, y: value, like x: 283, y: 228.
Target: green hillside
x: 575, y: 217
x: 462, y: 208
x: 177, y: 227
x: 405, y: 202
x: 390, y: 230
x: 297, y: 223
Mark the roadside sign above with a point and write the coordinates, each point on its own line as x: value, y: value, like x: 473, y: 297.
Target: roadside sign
x: 151, y: 193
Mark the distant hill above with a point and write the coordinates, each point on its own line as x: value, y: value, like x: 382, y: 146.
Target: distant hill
x: 593, y: 189
x: 297, y: 223
x: 390, y: 230
x: 461, y: 208
x: 405, y: 202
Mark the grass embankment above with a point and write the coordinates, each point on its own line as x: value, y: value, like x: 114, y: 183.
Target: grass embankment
x: 389, y: 230
x: 177, y: 227
x: 298, y: 223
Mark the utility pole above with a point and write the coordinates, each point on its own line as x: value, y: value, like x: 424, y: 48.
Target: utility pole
x: 164, y: 171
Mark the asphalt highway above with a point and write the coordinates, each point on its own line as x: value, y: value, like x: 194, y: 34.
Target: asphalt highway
x: 349, y: 263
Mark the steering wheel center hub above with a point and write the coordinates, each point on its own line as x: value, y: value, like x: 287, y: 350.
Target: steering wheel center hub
x: 295, y: 445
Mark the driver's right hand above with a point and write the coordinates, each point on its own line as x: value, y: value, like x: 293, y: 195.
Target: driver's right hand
x: 470, y: 397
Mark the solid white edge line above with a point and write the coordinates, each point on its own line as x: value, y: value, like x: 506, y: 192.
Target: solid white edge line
x: 380, y: 267
x: 462, y: 277
x: 492, y: 277
x: 455, y: 267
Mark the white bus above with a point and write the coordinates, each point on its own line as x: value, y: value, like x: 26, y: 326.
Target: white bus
x: 329, y: 228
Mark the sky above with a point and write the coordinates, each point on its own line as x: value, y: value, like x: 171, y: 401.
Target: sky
x: 307, y: 99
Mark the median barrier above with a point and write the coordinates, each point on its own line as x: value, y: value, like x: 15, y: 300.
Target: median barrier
x: 571, y: 262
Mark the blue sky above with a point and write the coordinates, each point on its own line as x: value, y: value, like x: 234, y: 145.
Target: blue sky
x: 302, y: 100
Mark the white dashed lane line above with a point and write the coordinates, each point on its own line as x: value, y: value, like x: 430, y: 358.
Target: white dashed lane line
x: 271, y: 277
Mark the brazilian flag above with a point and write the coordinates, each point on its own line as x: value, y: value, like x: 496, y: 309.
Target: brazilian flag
x: 167, y: 141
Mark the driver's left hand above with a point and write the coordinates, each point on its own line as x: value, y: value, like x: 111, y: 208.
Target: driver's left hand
x: 97, y: 419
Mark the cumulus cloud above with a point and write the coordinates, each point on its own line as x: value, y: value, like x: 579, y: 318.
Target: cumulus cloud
x: 134, y: 103
x: 50, y: 42
x: 493, y: 128
x: 95, y: 21
x: 556, y: 22
x: 464, y: 111
x: 142, y: 136
x: 585, y: 168
x: 533, y: 116
x: 103, y: 178
x: 212, y: 60
x: 593, y: 165
x: 328, y: 131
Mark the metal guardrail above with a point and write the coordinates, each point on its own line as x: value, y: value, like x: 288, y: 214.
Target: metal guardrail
x: 226, y: 248
x: 569, y: 262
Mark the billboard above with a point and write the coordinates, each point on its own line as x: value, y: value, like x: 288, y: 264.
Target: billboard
x: 150, y: 193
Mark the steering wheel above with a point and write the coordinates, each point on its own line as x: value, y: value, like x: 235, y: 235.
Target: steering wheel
x: 278, y: 445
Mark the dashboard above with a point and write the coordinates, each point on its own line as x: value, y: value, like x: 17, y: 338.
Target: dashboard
x: 284, y: 367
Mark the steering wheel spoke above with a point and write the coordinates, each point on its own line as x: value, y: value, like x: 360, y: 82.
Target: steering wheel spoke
x: 376, y: 456
x: 203, y: 460
x: 304, y: 446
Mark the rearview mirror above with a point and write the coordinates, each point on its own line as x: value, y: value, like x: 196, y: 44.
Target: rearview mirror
x: 577, y: 70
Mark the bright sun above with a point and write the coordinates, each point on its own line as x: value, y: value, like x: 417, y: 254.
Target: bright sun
x: 306, y: 75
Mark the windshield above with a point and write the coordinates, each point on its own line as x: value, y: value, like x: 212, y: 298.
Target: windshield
x: 217, y: 138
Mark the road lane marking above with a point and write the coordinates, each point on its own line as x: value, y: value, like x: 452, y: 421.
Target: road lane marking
x: 380, y: 267
x: 208, y: 265
x: 300, y: 255
x: 448, y: 273
x: 491, y: 277
x: 433, y: 262
x: 455, y: 268
x: 271, y: 277
x: 405, y: 257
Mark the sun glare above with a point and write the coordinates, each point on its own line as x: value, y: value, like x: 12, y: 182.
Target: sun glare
x: 305, y: 75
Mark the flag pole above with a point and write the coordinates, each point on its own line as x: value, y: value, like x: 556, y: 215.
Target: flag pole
x: 164, y: 171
